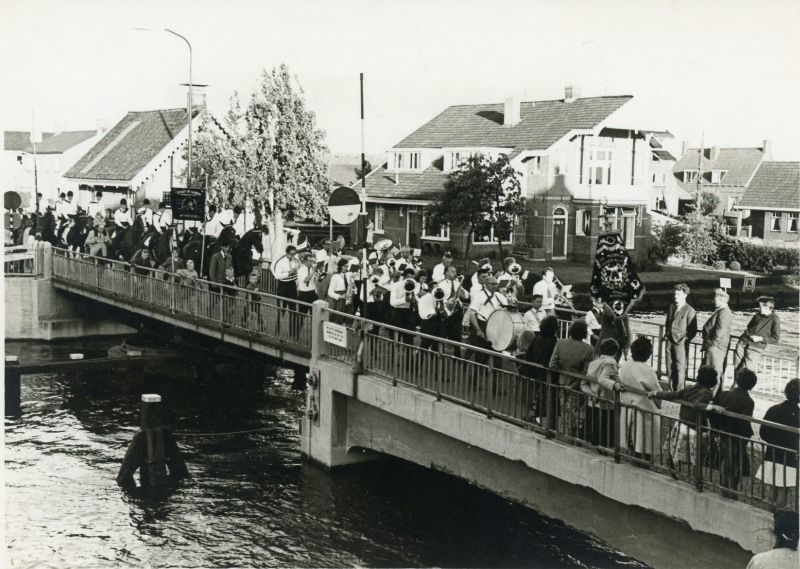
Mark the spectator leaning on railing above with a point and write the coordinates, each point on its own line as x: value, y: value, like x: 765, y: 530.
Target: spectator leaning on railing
x: 602, y: 379
x: 571, y: 354
x: 763, y: 329
x: 640, y: 429
x: 779, y: 468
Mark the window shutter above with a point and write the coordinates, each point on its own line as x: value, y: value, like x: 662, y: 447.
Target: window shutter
x: 579, y: 221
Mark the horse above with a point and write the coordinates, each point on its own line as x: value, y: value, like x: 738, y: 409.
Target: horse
x: 74, y: 238
x: 127, y: 241
x: 192, y: 249
x: 243, y: 252
x: 160, y: 246
x: 47, y: 226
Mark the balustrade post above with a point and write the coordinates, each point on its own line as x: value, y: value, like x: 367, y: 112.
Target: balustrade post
x: 319, y: 314
x: 698, y: 458
x: 96, y: 274
x: 548, y: 404
x: 660, y: 349
x: 439, y: 369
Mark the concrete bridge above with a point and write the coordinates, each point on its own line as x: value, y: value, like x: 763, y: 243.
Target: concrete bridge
x: 467, y: 412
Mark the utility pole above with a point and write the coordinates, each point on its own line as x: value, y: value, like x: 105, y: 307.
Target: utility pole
x: 699, y: 175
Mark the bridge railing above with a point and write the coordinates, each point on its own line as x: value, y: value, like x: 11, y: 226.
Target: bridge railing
x: 628, y: 425
x: 774, y: 370
x: 23, y: 260
x: 254, y: 314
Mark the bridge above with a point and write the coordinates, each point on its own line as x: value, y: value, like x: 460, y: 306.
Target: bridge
x: 468, y: 411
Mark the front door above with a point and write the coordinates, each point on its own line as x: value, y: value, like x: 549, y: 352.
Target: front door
x: 414, y: 229
x: 559, y: 233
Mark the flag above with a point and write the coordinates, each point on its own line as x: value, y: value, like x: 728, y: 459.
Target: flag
x: 614, y: 277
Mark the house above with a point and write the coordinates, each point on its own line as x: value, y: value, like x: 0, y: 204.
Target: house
x: 770, y: 207
x: 13, y: 172
x: 572, y: 161
x: 137, y: 158
x: 667, y: 196
x: 724, y: 171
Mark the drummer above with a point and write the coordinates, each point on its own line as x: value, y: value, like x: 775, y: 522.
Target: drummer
x: 479, y: 277
x: 484, y: 301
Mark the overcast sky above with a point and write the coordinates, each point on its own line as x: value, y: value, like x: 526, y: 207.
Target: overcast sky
x: 724, y: 70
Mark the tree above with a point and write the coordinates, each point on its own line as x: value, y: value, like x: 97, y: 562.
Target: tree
x: 270, y: 147
x: 480, y: 191
x: 709, y: 201
x: 367, y: 169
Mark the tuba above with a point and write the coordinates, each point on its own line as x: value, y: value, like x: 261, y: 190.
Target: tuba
x: 515, y: 269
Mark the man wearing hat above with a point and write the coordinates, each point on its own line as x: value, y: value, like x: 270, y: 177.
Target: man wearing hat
x: 217, y: 265
x: 162, y: 219
x: 478, y: 280
x: 763, y: 329
x: 122, y: 220
x: 70, y: 205
x: 95, y: 206
x: 717, y: 335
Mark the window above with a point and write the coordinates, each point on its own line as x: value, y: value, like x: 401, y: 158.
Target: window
x: 406, y: 160
x: 433, y: 230
x: 791, y: 226
x: 455, y: 159
x: 600, y: 167
x: 485, y: 233
x: 775, y: 223
x: 379, y: 215
x: 623, y: 219
x: 583, y: 222
x: 536, y: 165
x: 19, y: 158
x: 716, y: 176
x: 689, y: 176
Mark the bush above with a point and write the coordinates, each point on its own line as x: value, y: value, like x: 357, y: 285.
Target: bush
x: 649, y: 262
x: 735, y: 266
x: 719, y: 265
x: 750, y: 256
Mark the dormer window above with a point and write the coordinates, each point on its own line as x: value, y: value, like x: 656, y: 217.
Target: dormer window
x: 406, y: 161
x: 716, y: 176
x: 455, y: 159
x: 689, y: 176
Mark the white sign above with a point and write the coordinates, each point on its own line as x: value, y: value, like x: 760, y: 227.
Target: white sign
x: 335, y: 334
x: 724, y: 283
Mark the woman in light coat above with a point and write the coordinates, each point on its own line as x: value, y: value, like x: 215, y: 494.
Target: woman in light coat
x: 640, y: 422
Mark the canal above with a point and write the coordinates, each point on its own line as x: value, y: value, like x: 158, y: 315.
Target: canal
x: 251, y: 500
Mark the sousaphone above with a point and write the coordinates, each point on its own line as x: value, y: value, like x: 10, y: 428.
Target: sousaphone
x: 382, y: 245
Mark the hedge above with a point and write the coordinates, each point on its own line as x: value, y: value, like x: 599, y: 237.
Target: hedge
x: 756, y: 257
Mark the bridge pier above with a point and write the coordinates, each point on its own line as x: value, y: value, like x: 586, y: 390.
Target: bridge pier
x: 13, y: 390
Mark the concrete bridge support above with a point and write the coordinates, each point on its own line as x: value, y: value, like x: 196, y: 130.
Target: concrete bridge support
x: 662, y: 522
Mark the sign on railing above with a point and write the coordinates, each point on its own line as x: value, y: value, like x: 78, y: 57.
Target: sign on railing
x: 335, y: 334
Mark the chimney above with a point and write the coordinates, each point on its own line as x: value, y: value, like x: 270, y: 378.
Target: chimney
x: 767, y: 149
x: 684, y: 146
x: 571, y: 93
x: 511, y: 111
x: 714, y: 153
x: 102, y: 125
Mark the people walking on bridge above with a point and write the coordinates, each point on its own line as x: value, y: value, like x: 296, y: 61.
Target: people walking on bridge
x: 218, y: 264
x: 779, y: 468
x: 763, y: 329
x: 532, y: 319
x: 540, y: 352
x: 640, y: 421
x: 142, y: 262
x: 285, y: 270
x: 173, y: 263
x: 615, y: 324
x: 717, y: 335
x: 483, y: 301
x: 337, y: 289
x: 679, y: 331
x: 681, y: 444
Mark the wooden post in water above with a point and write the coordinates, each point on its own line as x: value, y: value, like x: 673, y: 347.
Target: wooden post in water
x: 152, y: 451
x: 13, y: 400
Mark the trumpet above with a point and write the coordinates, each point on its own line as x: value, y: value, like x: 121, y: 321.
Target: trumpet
x: 515, y: 269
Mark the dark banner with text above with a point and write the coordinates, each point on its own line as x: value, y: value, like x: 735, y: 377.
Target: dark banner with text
x: 614, y: 277
x: 188, y: 204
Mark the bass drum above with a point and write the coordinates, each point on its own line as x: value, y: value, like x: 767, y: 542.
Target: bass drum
x: 503, y: 328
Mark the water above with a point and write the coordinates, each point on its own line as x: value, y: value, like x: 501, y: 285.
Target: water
x: 251, y: 500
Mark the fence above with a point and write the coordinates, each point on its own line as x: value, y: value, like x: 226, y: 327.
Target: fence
x: 704, y: 451
x: 23, y: 260
x: 237, y: 310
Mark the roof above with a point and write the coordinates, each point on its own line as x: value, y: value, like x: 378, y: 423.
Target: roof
x: 61, y: 142
x: 541, y: 124
x: 776, y: 185
x: 130, y: 145
x: 424, y: 185
x: 739, y: 164
x: 20, y: 139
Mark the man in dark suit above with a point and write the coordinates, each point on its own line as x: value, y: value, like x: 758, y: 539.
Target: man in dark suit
x: 220, y: 261
x: 717, y: 335
x: 679, y: 330
x: 763, y: 329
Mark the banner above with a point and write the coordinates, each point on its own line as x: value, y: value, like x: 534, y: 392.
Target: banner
x: 614, y: 277
x: 188, y: 204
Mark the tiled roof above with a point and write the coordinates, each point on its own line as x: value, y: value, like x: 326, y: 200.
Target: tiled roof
x: 737, y: 163
x: 130, y: 145
x: 775, y: 185
x: 541, y: 124
x: 20, y: 139
x: 424, y: 185
x: 61, y: 142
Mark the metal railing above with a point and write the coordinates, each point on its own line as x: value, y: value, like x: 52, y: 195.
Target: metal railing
x: 260, y: 316
x: 541, y: 399
x: 23, y: 260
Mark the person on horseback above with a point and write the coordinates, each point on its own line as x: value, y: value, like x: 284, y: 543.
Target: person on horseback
x: 95, y: 207
x: 145, y: 213
x: 212, y: 224
x: 162, y: 219
x: 61, y: 209
x: 239, y: 222
x: 71, y: 204
x: 122, y: 221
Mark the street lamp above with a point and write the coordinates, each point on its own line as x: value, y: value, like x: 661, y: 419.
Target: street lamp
x: 188, y: 104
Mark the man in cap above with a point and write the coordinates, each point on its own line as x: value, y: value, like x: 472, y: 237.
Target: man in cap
x: 162, y: 219
x: 679, y: 331
x: 122, y: 220
x: 763, y: 329
x: 146, y: 213
x: 479, y: 277
x: 212, y: 225
x: 483, y: 302
x: 717, y: 335
x: 71, y: 204
x: 95, y: 207
x: 61, y: 209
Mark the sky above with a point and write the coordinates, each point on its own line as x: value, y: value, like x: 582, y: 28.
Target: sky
x: 724, y: 72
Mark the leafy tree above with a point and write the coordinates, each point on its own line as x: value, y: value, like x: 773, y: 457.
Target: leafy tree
x: 269, y: 147
x: 480, y: 191
x: 367, y: 169
x: 709, y: 200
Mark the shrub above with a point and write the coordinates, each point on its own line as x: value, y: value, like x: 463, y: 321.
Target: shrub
x: 735, y: 266
x: 750, y: 256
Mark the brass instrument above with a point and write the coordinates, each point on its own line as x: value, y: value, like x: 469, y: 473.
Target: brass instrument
x: 392, y: 263
x: 375, y: 279
x: 564, y: 296
x: 515, y: 269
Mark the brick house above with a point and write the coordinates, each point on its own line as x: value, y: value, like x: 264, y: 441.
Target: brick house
x: 770, y: 207
x: 571, y: 159
x: 725, y: 171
